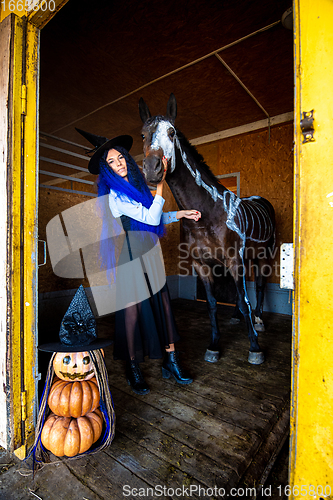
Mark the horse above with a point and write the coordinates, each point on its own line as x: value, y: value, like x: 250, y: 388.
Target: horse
x: 230, y: 227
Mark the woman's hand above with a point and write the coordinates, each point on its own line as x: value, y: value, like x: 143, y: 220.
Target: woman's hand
x: 159, y: 188
x: 189, y: 214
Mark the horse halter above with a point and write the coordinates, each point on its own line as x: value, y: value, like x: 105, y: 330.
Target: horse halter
x: 161, y: 140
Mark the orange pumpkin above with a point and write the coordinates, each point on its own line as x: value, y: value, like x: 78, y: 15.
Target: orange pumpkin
x: 73, y: 365
x: 70, y: 436
x: 73, y: 399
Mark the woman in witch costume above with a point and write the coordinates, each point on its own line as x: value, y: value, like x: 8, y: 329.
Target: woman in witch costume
x: 148, y: 327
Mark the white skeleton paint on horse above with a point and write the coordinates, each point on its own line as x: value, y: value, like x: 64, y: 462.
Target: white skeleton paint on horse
x: 230, y: 226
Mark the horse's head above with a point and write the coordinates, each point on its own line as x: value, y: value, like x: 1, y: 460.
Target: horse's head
x: 158, y: 133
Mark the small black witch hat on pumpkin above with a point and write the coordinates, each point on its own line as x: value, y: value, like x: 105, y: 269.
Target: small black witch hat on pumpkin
x: 77, y: 335
x: 78, y: 330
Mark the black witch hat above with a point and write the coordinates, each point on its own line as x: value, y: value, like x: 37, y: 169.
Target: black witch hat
x: 78, y: 328
x: 103, y: 144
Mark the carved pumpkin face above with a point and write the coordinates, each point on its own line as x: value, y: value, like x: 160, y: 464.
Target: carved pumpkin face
x: 73, y: 366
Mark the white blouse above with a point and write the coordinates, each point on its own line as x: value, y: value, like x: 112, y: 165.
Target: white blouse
x: 137, y: 211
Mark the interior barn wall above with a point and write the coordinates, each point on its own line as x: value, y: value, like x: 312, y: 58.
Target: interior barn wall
x: 266, y: 169
x: 52, y: 203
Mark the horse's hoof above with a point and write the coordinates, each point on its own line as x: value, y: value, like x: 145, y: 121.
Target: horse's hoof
x: 256, y: 358
x: 234, y: 321
x: 212, y: 356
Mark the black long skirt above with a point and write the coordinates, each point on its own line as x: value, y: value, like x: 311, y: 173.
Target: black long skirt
x: 143, y: 328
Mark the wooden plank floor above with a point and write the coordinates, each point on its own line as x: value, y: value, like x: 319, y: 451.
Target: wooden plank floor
x: 209, y: 433
x: 219, y: 431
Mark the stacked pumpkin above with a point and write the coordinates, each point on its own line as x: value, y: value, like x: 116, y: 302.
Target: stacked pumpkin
x: 75, y: 423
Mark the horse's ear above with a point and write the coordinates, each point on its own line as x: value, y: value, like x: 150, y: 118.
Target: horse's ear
x: 172, y: 108
x: 144, y: 110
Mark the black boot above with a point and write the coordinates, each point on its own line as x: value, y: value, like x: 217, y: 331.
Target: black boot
x: 135, y: 378
x: 171, y: 366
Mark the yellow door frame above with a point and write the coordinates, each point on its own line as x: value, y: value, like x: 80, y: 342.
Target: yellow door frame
x: 311, y: 455
x: 312, y: 387
x: 22, y: 220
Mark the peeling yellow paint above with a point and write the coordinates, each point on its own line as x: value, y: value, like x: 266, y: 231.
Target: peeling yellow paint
x: 30, y: 221
x: 15, y: 285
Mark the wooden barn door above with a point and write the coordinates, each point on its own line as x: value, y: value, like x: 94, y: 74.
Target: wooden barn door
x: 18, y: 184
x: 311, y: 459
x: 19, y: 79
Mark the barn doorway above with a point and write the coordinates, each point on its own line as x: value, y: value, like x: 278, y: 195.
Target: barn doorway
x: 80, y: 48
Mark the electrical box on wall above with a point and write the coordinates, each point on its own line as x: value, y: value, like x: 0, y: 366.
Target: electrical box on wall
x: 287, y: 266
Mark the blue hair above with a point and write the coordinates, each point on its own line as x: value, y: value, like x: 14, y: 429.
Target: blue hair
x: 135, y: 189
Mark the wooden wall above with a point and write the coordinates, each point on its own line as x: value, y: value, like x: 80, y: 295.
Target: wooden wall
x: 52, y: 203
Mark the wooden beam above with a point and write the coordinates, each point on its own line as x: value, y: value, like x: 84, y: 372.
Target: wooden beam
x: 44, y: 11
x: 65, y: 151
x: 222, y: 61
x: 244, y: 129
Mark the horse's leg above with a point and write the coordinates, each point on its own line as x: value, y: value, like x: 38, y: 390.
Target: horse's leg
x: 237, y: 315
x: 212, y: 352
x: 256, y: 356
x: 260, y: 292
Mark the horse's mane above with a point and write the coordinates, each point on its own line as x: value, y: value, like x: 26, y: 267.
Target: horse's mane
x: 190, y: 150
x: 199, y: 160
